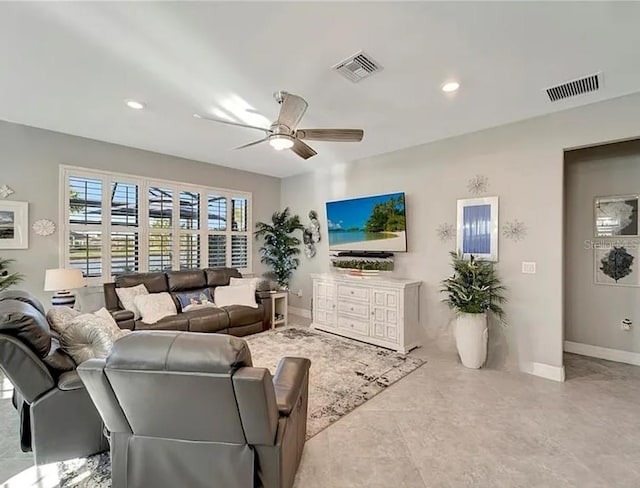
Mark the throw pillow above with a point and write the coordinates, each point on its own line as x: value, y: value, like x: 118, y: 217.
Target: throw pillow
x: 60, y: 317
x: 104, y: 313
x: 155, y: 306
x: 193, y: 300
x: 89, y: 336
x: 235, y: 295
x: 257, y: 283
x: 127, y: 297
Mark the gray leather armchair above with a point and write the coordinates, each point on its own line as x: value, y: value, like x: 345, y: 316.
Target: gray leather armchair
x: 58, y: 420
x: 188, y: 409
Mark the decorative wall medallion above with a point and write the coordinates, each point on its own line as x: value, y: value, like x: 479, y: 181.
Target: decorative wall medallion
x: 446, y: 232
x: 5, y: 191
x: 44, y: 227
x: 478, y: 185
x: 514, y: 230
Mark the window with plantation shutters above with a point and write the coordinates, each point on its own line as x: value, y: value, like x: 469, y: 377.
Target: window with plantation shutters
x: 239, y: 233
x: 217, y: 251
x: 116, y: 224
x: 124, y: 201
x: 239, y: 251
x: 160, y: 241
x: 84, y: 221
x: 85, y: 252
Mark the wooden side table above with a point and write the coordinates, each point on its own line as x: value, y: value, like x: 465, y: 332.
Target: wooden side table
x: 279, y: 306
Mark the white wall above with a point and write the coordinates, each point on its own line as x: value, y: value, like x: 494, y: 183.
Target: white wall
x: 524, y: 164
x: 29, y: 164
x: 593, y: 312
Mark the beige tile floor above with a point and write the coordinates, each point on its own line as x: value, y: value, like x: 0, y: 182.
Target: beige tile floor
x: 446, y: 426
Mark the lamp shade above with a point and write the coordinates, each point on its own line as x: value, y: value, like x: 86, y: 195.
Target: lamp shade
x: 63, y: 279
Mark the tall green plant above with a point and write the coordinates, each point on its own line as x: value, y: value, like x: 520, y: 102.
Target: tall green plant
x: 280, y: 246
x: 474, y: 287
x: 6, y: 279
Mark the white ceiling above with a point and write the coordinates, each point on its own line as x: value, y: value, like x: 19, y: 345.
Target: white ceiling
x: 69, y: 66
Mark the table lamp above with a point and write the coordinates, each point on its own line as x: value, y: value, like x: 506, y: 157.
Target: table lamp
x: 61, y: 281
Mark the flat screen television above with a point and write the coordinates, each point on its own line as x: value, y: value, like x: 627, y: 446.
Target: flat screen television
x: 374, y: 223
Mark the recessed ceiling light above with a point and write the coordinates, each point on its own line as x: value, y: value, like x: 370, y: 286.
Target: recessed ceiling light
x: 134, y: 104
x: 450, y: 86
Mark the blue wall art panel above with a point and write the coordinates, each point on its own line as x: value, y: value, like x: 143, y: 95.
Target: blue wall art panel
x: 478, y: 227
x: 476, y: 238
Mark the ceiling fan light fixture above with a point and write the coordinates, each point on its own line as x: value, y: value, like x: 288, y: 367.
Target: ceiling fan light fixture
x: 281, y: 141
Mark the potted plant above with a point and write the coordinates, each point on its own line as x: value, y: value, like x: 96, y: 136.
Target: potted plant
x: 473, y: 291
x: 6, y: 279
x: 280, y: 248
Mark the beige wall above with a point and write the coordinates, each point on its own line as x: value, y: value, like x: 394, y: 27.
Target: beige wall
x: 29, y: 164
x: 593, y: 312
x: 524, y: 164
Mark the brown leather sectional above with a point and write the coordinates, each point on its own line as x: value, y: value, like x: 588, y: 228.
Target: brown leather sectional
x: 236, y: 320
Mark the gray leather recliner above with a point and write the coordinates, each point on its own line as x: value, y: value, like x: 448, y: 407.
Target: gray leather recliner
x: 188, y: 409
x: 58, y: 420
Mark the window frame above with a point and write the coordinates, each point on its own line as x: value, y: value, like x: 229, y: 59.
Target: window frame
x: 143, y: 229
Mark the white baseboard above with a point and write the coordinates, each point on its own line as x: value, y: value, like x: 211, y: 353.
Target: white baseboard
x: 617, y: 355
x: 555, y: 373
x: 301, y: 312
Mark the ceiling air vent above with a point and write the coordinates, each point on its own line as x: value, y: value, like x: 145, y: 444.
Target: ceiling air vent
x: 357, y: 67
x: 573, y: 88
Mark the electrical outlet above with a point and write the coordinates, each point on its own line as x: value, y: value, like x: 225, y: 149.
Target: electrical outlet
x: 529, y: 267
x: 299, y: 293
x: 626, y: 324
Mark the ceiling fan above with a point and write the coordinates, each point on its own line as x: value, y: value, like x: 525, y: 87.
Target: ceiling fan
x: 284, y: 134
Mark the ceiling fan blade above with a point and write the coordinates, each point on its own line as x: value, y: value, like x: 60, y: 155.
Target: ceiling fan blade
x: 302, y: 150
x: 252, y: 143
x: 228, y: 122
x: 292, y: 109
x: 335, y: 135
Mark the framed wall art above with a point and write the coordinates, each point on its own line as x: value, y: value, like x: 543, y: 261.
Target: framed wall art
x: 616, y: 216
x: 477, y: 231
x: 14, y: 225
x: 617, y: 265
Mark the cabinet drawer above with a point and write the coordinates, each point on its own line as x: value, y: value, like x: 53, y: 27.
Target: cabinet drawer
x: 354, y: 325
x: 354, y: 308
x: 353, y: 292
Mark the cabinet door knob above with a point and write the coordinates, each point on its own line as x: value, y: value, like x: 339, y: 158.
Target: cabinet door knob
x: 352, y: 292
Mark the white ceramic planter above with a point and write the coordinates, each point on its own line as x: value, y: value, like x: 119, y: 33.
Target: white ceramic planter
x: 472, y: 337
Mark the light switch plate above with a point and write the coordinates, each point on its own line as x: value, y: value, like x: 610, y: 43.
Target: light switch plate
x: 529, y: 267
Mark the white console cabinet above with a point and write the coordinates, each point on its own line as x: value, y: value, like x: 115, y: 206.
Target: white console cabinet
x: 378, y: 310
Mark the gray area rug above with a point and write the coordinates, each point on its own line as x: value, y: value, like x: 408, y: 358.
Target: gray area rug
x: 344, y: 374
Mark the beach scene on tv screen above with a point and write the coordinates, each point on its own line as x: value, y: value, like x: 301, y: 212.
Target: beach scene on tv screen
x: 375, y: 223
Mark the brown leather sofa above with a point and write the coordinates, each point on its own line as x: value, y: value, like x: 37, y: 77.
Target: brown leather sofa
x: 237, y: 320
